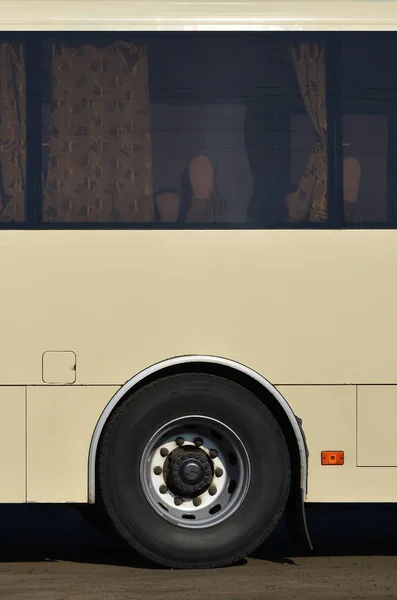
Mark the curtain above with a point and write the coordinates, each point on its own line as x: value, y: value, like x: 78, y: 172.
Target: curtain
x: 12, y: 132
x: 309, y: 201
x: 99, y: 156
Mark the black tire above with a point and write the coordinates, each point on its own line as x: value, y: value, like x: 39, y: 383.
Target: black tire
x: 122, y: 443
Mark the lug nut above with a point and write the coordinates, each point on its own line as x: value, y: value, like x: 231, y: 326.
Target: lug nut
x: 163, y: 489
x: 198, y: 441
x: 213, y: 453
x: 179, y: 441
x: 164, y: 451
x: 178, y: 501
x: 197, y: 501
x: 212, y: 490
x: 218, y: 472
x: 157, y: 470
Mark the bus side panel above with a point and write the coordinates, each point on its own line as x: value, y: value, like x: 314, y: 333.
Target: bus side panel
x: 299, y: 307
x: 60, y: 423
x: 62, y: 419
x: 13, y: 444
x: 329, y: 421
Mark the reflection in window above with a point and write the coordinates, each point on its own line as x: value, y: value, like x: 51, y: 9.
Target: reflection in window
x: 186, y: 130
x: 12, y: 133
x: 365, y: 168
x: 369, y: 127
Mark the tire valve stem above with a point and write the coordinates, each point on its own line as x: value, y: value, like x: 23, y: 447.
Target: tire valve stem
x: 212, y: 490
x: 178, y: 501
x: 179, y: 441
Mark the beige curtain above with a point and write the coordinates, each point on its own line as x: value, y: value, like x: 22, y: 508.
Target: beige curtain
x: 99, y: 149
x: 12, y: 133
x: 309, y: 201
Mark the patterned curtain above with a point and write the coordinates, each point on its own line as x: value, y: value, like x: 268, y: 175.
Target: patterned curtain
x: 12, y: 132
x: 309, y: 201
x: 99, y: 166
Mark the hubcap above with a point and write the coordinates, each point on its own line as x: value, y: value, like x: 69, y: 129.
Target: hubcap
x: 191, y: 484
x: 190, y: 471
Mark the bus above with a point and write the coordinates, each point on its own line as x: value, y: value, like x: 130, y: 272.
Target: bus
x: 197, y: 247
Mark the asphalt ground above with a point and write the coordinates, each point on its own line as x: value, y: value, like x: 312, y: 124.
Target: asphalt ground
x: 50, y: 552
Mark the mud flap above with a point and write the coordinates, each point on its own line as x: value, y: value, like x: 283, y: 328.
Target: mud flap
x: 295, y: 518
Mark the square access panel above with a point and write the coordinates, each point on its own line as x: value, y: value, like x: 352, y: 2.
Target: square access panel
x: 59, y: 367
x: 376, y: 426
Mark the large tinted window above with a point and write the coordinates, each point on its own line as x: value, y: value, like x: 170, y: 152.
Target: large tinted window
x: 198, y: 130
x: 184, y: 129
x: 12, y: 132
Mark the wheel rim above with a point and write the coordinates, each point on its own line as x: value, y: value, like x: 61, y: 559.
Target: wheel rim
x: 195, y: 472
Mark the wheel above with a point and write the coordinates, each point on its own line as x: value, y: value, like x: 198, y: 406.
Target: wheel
x: 193, y: 471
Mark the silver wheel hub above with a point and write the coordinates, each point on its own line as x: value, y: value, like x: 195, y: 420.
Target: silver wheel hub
x: 195, y: 472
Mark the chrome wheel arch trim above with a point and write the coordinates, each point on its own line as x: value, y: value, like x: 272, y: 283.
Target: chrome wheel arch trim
x: 183, y: 360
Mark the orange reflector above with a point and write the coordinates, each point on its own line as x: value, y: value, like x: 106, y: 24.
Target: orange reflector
x: 332, y: 458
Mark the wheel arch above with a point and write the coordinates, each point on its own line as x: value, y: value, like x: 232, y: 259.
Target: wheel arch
x: 249, y: 379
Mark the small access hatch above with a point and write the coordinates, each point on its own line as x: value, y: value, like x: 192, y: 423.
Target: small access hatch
x: 59, y: 367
